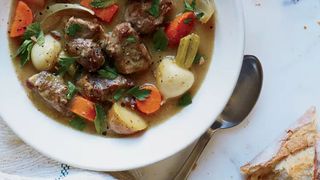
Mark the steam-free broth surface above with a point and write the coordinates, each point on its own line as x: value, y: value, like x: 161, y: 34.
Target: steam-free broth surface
x: 169, y: 108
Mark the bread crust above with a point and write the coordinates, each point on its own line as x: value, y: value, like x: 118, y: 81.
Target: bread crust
x: 317, y: 161
x: 301, y: 135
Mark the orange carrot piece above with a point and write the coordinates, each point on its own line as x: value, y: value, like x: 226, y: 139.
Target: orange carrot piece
x: 108, y: 13
x: 23, y: 17
x: 83, y: 107
x: 36, y: 3
x: 105, y: 14
x: 180, y: 27
x: 152, y: 103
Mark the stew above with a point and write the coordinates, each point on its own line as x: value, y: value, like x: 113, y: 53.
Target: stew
x: 111, y: 67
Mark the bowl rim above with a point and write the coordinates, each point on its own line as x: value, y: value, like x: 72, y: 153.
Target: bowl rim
x: 7, y: 113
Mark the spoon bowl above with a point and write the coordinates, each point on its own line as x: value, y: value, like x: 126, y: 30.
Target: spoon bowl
x: 242, y: 101
x: 244, y: 95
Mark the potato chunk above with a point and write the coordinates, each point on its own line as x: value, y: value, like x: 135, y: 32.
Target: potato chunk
x: 124, y: 121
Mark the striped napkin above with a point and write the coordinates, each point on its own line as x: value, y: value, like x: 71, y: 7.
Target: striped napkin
x: 19, y: 161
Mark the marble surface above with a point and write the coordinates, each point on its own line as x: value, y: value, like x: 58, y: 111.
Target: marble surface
x: 285, y: 35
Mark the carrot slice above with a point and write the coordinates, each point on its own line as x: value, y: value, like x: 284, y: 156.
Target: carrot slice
x: 83, y: 107
x: 180, y: 27
x: 23, y: 17
x: 108, y: 13
x: 36, y: 3
x: 105, y: 14
x: 153, y: 102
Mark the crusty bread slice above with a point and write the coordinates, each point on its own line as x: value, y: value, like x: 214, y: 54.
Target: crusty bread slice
x: 317, y: 161
x: 282, y: 159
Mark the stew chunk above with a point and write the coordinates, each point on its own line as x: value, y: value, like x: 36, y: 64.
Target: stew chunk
x: 101, y: 89
x: 139, y: 15
x: 52, y: 89
x: 79, y: 28
x: 89, y: 53
x: 82, y: 39
x: 125, y: 47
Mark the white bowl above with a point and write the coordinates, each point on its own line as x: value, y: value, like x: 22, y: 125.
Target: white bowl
x: 111, y: 154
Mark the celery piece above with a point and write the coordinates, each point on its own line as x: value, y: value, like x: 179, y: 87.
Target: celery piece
x: 187, y: 50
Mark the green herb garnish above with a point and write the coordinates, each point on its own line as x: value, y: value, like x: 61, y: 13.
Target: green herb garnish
x: 34, y: 30
x: 64, y: 64
x: 24, y: 52
x: 102, y: 3
x: 131, y: 39
x: 73, y: 29
x: 100, y: 120
x: 189, y: 7
x: 185, y: 100
x: 136, y: 91
x: 40, y: 39
x: 119, y: 94
x: 197, y: 59
x: 160, y: 40
x: 32, y: 35
x: 108, y: 73
x: 155, y: 8
x: 192, y: 8
x: 72, y: 90
x: 199, y: 15
x: 78, y: 123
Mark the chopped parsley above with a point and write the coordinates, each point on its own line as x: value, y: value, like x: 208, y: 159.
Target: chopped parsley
x: 64, y: 64
x: 108, y: 73
x: 72, y: 90
x: 197, y: 58
x: 189, y: 7
x: 160, y: 40
x: 100, y: 120
x: 32, y: 35
x: 24, y: 52
x: 73, y: 29
x: 199, y: 15
x: 131, y: 39
x: 78, y: 123
x: 102, y: 3
x: 34, y: 30
x: 119, y: 94
x: 155, y: 8
x: 136, y: 92
x: 192, y: 8
x: 185, y: 100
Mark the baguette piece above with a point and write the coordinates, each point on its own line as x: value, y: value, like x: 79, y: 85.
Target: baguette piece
x: 283, y: 159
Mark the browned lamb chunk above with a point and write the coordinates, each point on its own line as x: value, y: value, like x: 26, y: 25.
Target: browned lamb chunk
x: 88, y: 53
x: 137, y: 13
x: 52, y: 89
x: 85, y: 29
x: 125, y: 47
x: 83, y: 43
x: 101, y: 89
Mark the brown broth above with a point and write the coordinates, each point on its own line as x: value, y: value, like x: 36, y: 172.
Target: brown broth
x: 205, y: 31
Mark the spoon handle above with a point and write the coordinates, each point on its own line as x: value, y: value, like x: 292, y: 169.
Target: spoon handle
x: 190, y: 162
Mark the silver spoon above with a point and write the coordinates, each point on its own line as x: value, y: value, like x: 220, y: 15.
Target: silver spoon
x: 240, y: 104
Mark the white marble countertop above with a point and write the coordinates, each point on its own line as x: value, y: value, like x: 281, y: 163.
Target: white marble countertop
x: 285, y: 35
